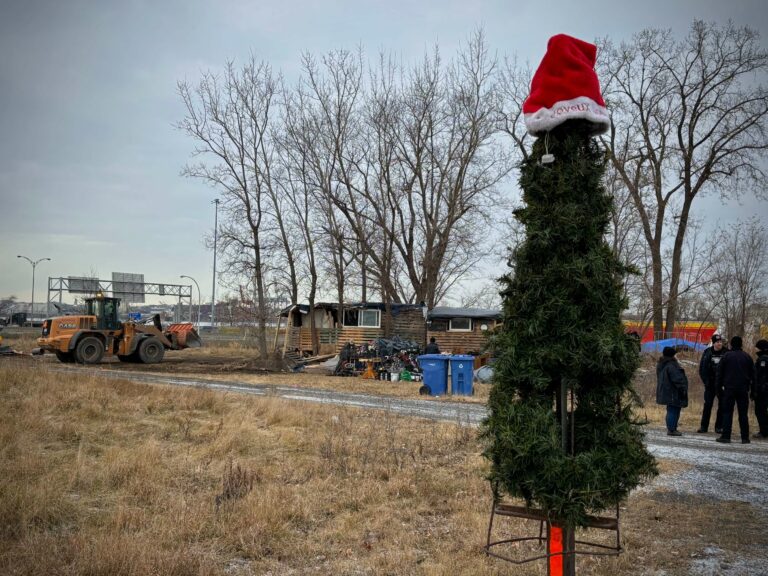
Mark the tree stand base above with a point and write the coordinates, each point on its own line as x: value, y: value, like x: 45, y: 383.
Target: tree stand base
x: 560, y: 544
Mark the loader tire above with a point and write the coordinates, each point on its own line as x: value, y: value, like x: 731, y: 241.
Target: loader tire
x: 89, y: 350
x: 65, y: 357
x: 151, y: 350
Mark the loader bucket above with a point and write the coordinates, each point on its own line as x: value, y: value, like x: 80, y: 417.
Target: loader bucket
x: 185, y: 335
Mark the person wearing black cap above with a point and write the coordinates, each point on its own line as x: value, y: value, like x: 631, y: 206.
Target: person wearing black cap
x: 710, y: 360
x: 735, y: 376
x: 671, y: 388
x: 760, y: 388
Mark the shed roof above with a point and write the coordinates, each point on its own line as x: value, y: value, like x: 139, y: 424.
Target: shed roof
x: 396, y: 308
x: 451, y: 312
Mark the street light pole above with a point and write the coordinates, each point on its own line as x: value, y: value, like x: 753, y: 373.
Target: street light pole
x: 34, y: 265
x: 198, y: 298
x: 215, y: 240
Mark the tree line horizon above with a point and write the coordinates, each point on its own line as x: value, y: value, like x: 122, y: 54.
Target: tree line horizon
x: 374, y: 179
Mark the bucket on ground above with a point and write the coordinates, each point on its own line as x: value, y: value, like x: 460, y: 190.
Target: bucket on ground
x: 435, y: 370
x: 462, y: 375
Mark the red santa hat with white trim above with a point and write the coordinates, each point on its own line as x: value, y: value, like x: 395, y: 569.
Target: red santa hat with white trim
x: 565, y: 87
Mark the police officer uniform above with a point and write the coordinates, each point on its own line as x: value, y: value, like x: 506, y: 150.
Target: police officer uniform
x: 708, y: 367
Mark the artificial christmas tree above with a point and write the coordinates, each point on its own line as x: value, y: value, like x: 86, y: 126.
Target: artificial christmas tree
x: 561, y: 432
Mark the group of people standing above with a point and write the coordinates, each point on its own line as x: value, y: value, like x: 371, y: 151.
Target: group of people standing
x: 730, y: 376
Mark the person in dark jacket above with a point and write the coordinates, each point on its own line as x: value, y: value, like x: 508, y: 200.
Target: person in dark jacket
x: 671, y: 388
x: 735, y: 377
x: 432, y: 347
x: 760, y: 388
x: 710, y: 360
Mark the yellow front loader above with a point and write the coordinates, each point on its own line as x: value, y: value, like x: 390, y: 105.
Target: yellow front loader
x: 87, y: 339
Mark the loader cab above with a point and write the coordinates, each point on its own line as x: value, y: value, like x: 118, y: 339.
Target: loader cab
x: 105, y: 310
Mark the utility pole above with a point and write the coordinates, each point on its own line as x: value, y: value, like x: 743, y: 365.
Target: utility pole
x: 215, y: 240
x: 34, y: 265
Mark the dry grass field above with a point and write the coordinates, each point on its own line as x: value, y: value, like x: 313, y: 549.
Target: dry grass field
x: 109, y: 477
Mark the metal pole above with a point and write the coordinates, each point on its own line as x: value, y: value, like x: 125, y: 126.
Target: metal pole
x: 34, y: 265
x: 198, y: 299
x: 215, y: 240
x: 561, y: 539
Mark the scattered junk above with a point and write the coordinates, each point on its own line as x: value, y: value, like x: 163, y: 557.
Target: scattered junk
x: 295, y: 362
x: 347, y: 362
x: 7, y: 350
x: 87, y: 339
x: 484, y: 374
x: 391, y: 359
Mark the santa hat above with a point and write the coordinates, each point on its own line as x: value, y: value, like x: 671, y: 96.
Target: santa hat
x: 565, y: 87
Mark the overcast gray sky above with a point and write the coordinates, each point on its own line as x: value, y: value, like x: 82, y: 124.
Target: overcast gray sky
x: 89, y: 157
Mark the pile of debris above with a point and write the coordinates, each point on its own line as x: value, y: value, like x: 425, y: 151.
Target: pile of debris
x: 8, y: 351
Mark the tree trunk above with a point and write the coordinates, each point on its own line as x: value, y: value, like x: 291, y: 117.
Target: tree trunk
x: 363, y: 279
x: 674, y: 278
x: 657, y: 294
x: 312, y: 324
x: 340, y: 293
x: 261, y: 307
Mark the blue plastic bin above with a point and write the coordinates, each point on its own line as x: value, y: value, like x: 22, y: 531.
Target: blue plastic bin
x: 462, y: 375
x: 435, y: 369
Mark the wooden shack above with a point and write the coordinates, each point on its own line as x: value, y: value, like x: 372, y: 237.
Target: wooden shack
x: 461, y: 330
x: 362, y: 322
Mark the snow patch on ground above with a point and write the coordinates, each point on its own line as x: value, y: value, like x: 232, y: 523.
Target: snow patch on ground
x: 719, y: 472
x: 713, y: 562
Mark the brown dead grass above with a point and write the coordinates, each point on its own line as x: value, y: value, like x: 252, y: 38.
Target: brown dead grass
x: 111, y: 477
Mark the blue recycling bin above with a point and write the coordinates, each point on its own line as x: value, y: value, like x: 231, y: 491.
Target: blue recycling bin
x: 462, y: 375
x: 435, y: 369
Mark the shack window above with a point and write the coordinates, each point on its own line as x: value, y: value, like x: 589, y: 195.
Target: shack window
x: 351, y: 317
x: 367, y: 318
x: 438, y: 325
x: 460, y: 325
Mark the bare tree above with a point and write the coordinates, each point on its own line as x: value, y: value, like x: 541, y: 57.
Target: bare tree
x: 289, y: 234
x: 484, y: 296
x: 689, y: 117
x: 300, y: 200
x: 741, y: 275
x: 432, y: 166
x: 7, y: 305
x: 230, y: 117
x: 514, y: 88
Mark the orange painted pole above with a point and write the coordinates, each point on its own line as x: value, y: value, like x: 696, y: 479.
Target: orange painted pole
x: 561, y: 545
x: 555, y: 544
